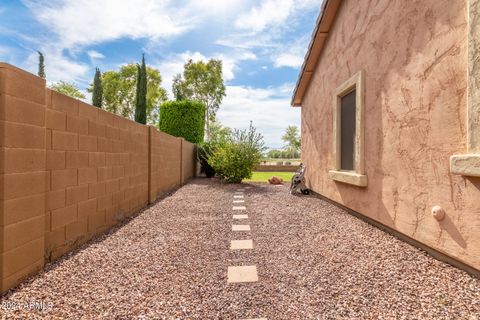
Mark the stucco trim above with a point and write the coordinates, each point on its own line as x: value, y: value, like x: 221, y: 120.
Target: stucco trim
x: 474, y: 76
x: 350, y: 177
x: 356, y: 177
x: 469, y: 164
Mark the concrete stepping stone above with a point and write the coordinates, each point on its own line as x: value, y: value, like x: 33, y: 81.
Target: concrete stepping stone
x: 240, y: 227
x: 238, y: 201
x: 241, y: 244
x: 239, y: 208
x: 238, y: 197
x: 240, y: 216
x: 242, y: 274
x: 256, y: 319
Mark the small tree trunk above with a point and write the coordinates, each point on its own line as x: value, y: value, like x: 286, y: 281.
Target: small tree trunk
x: 207, y: 124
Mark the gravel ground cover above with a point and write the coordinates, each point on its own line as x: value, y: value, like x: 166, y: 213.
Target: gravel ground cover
x: 314, y: 261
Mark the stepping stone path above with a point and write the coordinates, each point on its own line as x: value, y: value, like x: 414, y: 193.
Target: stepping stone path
x: 240, y: 227
x: 247, y: 273
x: 242, y: 274
x: 241, y: 244
x: 240, y: 216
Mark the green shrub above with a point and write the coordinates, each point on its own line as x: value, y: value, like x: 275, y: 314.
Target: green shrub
x: 205, y: 150
x: 218, y: 136
x: 235, y: 158
x: 183, y: 118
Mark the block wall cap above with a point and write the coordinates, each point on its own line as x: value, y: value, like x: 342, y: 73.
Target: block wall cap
x: 4, y: 65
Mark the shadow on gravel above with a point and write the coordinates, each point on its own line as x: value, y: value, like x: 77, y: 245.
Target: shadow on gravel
x: 81, y: 246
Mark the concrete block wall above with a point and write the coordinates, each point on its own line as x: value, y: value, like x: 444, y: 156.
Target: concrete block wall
x: 23, y: 175
x: 165, y: 171
x: 97, y: 166
x: 69, y: 171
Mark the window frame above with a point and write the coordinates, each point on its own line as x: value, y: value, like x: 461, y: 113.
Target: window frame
x: 468, y: 164
x: 357, y: 176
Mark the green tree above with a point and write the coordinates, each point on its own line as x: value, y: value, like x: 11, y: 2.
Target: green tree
x: 218, y: 133
x: 283, y: 154
x: 203, y: 82
x: 68, y: 89
x: 141, y: 93
x: 41, y: 65
x: 97, y: 95
x: 292, y: 139
x: 177, y: 88
x: 119, y: 90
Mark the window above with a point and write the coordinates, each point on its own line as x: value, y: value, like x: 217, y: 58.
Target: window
x: 347, y: 131
x: 348, y: 116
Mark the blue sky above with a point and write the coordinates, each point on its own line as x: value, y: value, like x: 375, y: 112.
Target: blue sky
x: 262, y: 45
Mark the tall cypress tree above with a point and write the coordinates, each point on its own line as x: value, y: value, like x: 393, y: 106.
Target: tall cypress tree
x: 97, y: 95
x: 141, y: 96
x: 41, y: 65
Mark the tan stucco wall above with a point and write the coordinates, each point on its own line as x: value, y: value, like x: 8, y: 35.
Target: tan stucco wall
x: 69, y: 171
x: 414, y: 58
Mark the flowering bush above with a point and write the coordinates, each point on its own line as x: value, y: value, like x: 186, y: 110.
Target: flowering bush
x: 234, y: 158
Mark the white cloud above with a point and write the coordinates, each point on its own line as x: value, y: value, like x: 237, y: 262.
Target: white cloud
x: 231, y: 61
x: 279, y: 17
x: 218, y: 8
x: 268, y: 108
x: 94, y: 55
x: 288, y: 60
x: 270, y: 12
x: 292, y: 55
x: 79, y: 23
x: 247, y: 41
x: 85, y: 22
x: 59, y: 67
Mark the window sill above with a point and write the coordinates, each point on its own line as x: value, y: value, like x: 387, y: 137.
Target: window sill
x: 359, y: 180
x: 465, y: 164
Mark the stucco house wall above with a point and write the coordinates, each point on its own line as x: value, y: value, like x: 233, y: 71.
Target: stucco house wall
x: 414, y: 59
